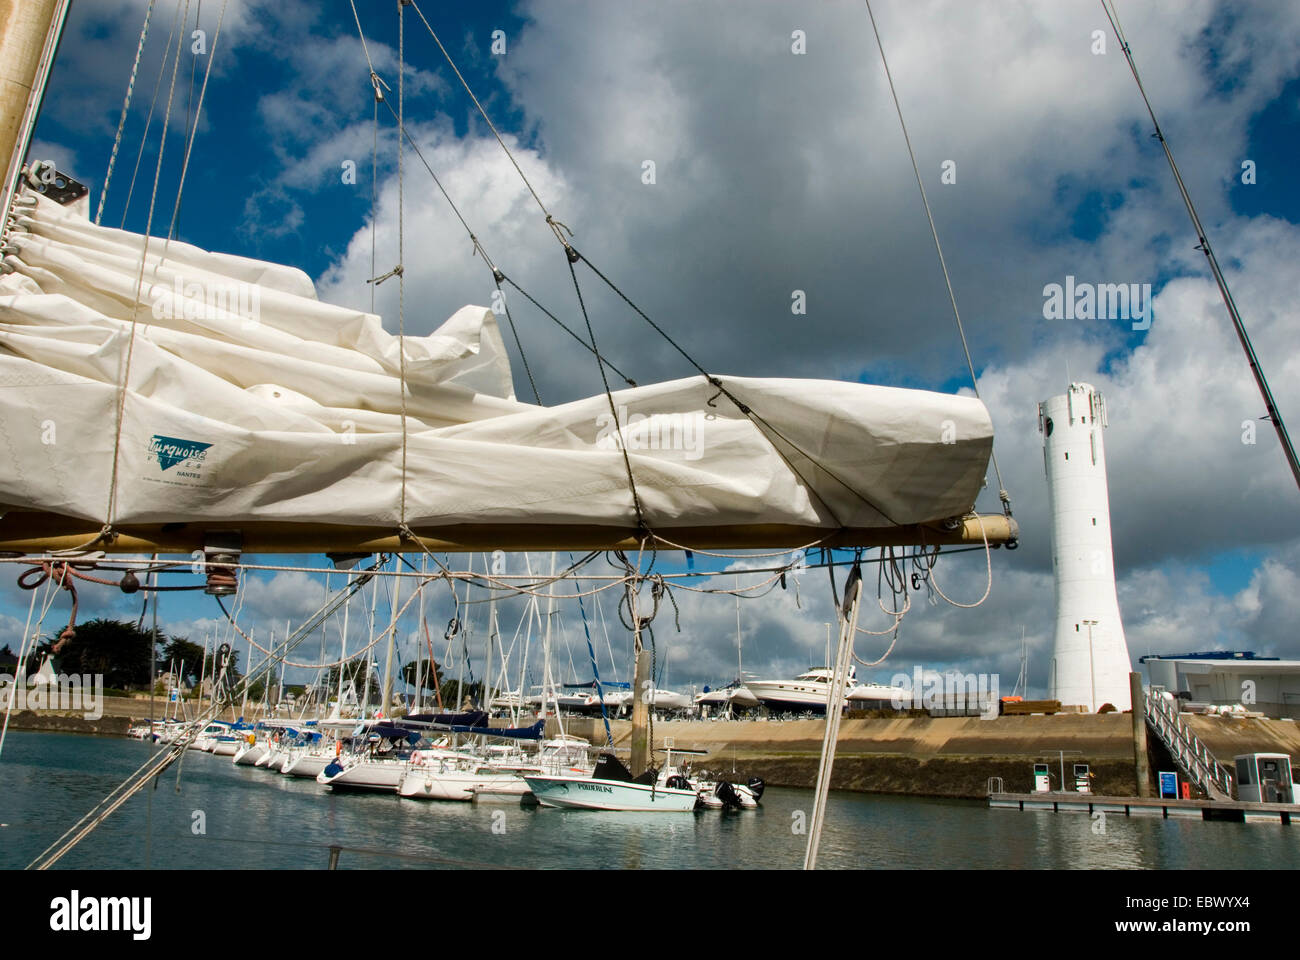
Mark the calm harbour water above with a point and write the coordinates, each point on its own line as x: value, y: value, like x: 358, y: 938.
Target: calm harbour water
x: 259, y: 820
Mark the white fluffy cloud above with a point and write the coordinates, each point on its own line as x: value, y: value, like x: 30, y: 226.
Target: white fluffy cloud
x: 777, y: 172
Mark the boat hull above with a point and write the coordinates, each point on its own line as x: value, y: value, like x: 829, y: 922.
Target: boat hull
x: 306, y: 765
x: 250, y: 754
x: 587, y: 794
x: 383, y: 775
x: 461, y: 785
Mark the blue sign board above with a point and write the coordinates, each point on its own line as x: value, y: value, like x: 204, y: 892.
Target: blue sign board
x: 1168, y: 785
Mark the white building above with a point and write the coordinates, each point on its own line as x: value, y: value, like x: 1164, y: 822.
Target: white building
x: 1228, y: 678
x: 1090, y: 661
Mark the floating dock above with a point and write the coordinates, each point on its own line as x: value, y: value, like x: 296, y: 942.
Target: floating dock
x: 1167, y: 808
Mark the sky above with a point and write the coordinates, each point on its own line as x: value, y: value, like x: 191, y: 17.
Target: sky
x: 779, y: 166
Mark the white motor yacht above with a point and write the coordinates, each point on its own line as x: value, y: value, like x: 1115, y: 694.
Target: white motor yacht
x: 808, y: 691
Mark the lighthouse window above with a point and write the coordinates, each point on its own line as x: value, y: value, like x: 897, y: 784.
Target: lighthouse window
x: 1067, y: 456
x: 1047, y: 431
x: 1094, y: 521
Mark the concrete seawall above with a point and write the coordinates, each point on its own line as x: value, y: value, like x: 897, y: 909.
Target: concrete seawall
x: 942, y: 756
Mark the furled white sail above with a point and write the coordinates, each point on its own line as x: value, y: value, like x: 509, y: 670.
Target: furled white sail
x: 247, y: 399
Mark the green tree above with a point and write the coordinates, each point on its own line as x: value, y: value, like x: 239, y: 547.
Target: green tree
x: 419, y: 669
x: 118, y: 650
x: 187, y: 655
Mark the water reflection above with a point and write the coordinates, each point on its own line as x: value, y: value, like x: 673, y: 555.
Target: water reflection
x: 257, y: 819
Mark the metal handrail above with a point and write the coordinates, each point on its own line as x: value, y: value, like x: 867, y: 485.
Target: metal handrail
x: 1185, y: 746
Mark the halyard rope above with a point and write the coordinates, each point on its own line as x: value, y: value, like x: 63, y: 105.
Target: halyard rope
x: 934, y: 232
x: 139, y: 286
x: 126, y: 106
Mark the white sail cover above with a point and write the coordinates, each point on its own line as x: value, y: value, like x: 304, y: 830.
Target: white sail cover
x: 248, y: 399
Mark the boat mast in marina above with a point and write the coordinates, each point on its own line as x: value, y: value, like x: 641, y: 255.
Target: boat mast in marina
x: 848, y: 500
x: 386, y: 702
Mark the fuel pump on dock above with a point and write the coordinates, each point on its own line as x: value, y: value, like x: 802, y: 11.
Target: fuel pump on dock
x: 1082, y: 778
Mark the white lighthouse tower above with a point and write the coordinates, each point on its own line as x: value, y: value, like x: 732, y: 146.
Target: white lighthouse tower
x: 1090, y: 662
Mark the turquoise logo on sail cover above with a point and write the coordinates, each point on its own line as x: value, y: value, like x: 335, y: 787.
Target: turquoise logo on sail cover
x: 169, y: 451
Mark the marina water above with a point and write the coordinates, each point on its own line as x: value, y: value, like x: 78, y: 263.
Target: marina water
x: 255, y: 819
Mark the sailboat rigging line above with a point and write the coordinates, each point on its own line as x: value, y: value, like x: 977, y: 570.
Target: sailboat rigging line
x: 893, y: 577
x: 153, y: 744
x: 494, y: 579
x: 61, y: 575
x: 486, y: 118
x: 47, y: 569
x: 497, y: 581
x: 126, y: 107
x: 621, y: 557
x: 888, y: 650
x: 889, y: 571
x: 934, y: 232
x: 401, y: 250
x: 189, y: 103
x: 139, y: 286
x: 198, y: 115
x: 496, y: 591
x: 401, y: 126
x: 595, y: 670
x: 571, y: 255
x: 497, y: 277
x: 20, y: 671
x: 988, y: 585
x: 365, y: 48
x: 1203, y: 244
x: 563, y: 326
x: 158, y: 762
x: 374, y: 180
x: 318, y: 666
x: 746, y: 556
x: 148, y: 123
x: 767, y: 428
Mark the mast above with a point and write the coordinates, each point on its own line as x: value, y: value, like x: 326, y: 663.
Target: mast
x: 528, y: 638
x: 28, y: 43
x: 464, y: 647
x: 370, y: 649
x: 270, y: 675
x: 492, y: 629
x: 318, y: 687
x: 392, y: 641
x: 419, y: 667
x: 642, y: 690
x: 548, y: 682
x: 1271, y: 414
x: 740, y: 665
x: 243, y: 706
x: 280, y: 696
x: 203, y: 669
x: 343, y: 649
